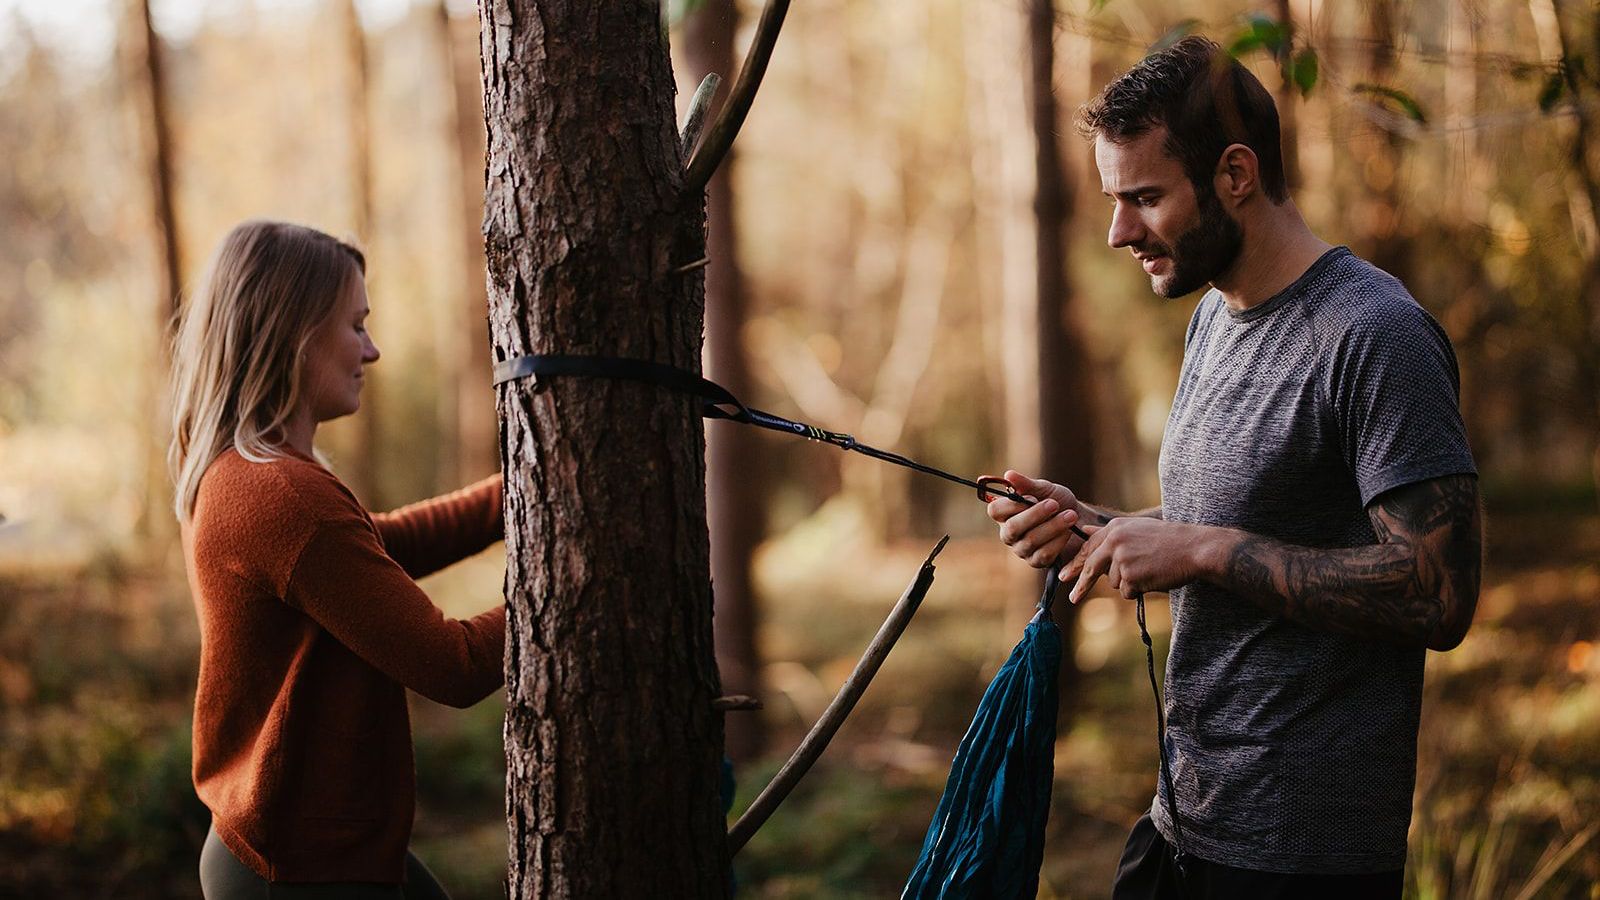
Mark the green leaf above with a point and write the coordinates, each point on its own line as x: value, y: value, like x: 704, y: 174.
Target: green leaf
x: 1394, y: 98
x: 1304, y: 70
x: 1259, y: 32
x: 1555, y: 84
x: 1175, y: 34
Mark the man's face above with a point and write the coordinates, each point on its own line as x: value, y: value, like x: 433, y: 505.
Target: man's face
x: 1184, y: 240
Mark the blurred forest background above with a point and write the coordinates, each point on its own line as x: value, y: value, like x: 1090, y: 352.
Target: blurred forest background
x: 883, y: 225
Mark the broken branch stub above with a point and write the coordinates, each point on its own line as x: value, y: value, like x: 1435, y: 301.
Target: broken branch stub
x: 722, y: 133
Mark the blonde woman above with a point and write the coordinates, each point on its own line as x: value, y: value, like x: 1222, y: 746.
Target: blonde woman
x: 312, y: 627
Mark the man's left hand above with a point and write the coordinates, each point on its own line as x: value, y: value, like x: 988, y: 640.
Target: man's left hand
x: 1137, y: 555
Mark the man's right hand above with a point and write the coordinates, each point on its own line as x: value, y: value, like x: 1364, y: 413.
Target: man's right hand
x: 1041, y: 533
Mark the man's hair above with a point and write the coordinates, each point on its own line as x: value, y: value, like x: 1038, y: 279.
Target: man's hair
x: 1205, y: 99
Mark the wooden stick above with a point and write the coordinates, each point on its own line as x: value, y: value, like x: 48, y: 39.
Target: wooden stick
x: 721, y: 136
x: 833, y: 717
x: 695, y: 119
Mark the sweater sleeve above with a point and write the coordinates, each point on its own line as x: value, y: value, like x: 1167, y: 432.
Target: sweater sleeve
x: 427, y: 536
x: 344, y: 579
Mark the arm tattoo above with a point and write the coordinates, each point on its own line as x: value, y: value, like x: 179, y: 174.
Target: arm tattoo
x: 1418, y: 585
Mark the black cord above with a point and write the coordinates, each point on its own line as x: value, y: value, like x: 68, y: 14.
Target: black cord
x: 1161, y: 738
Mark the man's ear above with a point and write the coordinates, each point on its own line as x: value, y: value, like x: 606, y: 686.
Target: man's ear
x: 1238, y: 174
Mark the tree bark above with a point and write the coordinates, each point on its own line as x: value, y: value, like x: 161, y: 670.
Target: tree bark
x: 612, y: 746
x: 1066, y: 410
x: 733, y: 455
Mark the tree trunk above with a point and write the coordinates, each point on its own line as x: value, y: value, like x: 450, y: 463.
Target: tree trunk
x: 1066, y: 410
x: 1290, y: 139
x: 613, y: 750
x: 1389, y: 246
x: 470, y: 406
x: 360, y: 469
x: 733, y: 455
x: 145, y: 69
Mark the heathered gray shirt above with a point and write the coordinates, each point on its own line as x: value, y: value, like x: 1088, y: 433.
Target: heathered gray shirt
x: 1294, y: 750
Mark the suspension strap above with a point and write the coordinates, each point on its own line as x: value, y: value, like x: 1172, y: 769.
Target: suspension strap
x: 717, y: 402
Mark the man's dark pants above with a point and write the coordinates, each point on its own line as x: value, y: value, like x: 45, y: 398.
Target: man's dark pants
x: 1147, y: 870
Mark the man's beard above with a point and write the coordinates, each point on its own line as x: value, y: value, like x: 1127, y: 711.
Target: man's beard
x: 1204, y: 251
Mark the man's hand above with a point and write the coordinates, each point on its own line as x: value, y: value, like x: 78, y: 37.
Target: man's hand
x: 1041, y: 533
x: 1137, y: 554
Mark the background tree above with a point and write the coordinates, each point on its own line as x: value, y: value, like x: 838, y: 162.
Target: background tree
x: 735, y: 488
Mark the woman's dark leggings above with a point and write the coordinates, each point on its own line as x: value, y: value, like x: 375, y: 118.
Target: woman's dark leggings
x: 224, y: 877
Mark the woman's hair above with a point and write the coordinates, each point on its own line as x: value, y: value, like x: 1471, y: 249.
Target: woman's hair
x: 235, y: 360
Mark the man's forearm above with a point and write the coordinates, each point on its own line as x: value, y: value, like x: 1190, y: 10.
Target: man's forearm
x: 1099, y: 515
x: 1378, y: 591
x: 1417, y: 585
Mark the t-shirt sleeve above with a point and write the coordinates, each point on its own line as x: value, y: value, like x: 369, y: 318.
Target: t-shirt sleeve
x: 1394, y: 391
x: 345, y: 581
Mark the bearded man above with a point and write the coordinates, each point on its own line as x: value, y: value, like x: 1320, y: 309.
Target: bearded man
x: 1319, y: 526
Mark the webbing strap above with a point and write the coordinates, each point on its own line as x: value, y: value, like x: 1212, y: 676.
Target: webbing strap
x: 720, y: 403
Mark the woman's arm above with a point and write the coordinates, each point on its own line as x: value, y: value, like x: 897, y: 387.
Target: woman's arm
x: 346, y: 581
x: 428, y: 536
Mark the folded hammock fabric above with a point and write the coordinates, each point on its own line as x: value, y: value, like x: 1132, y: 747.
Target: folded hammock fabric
x: 987, y: 836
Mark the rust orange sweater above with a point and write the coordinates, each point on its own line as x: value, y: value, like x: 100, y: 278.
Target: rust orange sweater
x: 311, y: 629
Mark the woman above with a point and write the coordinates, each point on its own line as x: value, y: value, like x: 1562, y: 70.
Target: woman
x: 311, y: 624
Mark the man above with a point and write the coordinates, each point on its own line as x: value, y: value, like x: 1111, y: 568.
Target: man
x: 1319, y: 526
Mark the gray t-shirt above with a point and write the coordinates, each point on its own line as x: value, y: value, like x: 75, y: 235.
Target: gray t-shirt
x: 1292, y: 749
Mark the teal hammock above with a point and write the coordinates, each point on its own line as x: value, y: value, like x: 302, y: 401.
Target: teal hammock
x: 987, y: 835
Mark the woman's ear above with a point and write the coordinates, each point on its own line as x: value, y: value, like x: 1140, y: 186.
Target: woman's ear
x: 1238, y: 173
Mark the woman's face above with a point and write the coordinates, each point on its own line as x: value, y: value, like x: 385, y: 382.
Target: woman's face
x: 339, y: 349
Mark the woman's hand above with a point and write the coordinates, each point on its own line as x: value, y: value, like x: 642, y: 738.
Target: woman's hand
x: 1041, y: 533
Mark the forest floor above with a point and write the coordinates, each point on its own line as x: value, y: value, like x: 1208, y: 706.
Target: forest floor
x: 97, y: 673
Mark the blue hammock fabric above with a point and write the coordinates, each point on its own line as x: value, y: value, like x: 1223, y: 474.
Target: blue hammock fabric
x: 987, y: 836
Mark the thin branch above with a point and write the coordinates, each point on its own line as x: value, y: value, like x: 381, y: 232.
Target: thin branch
x: 695, y: 119
x: 721, y: 136
x: 822, y: 732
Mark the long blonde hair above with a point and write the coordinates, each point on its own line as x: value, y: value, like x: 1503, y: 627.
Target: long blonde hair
x: 235, y: 360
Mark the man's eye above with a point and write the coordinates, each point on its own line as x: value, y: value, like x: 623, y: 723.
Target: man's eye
x: 1146, y: 201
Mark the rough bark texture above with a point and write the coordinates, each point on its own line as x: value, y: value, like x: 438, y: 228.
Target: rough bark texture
x: 733, y: 455
x: 612, y: 747
x: 1066, y: 408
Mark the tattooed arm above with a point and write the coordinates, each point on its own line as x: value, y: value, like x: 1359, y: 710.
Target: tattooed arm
x: 1418, y: 585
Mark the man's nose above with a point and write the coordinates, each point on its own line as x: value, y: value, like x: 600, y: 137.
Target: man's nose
x: 1126, y: 228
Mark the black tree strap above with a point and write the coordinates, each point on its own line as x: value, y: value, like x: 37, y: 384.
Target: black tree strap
x: 720, y: 403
